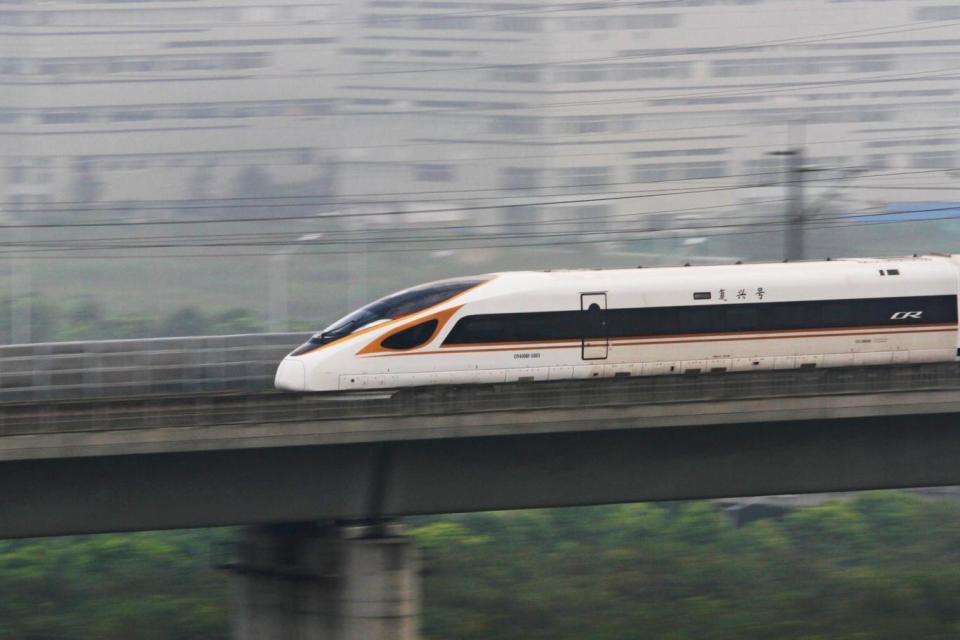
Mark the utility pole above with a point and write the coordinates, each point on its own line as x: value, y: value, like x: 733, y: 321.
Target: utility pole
x: 278, y: 285
x: 21, y: 291
x: 795, y: 229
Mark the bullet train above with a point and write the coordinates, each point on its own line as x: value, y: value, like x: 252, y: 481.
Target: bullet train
x: 561, y: 325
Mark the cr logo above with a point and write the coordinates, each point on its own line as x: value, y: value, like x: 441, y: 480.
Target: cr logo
x: 907, y: 315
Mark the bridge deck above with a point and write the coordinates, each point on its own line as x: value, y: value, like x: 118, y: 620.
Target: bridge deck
x: 188, y: 432
x: 265, y: 418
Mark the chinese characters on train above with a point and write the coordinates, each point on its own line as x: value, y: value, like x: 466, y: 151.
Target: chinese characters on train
x: 758, y: 293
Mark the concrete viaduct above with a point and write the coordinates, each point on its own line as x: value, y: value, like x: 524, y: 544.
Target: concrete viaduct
x: 130, y: 435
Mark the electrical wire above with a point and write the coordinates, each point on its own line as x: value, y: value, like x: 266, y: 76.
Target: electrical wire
x: 293, y: 236
x: 405, y: 145
x: 334, y: 216
x: 823, y: 222
x: 525, y: 245
x: 328, y: 200
x: 175, y: 242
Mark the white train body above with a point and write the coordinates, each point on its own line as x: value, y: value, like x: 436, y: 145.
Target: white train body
x: 558, y: 325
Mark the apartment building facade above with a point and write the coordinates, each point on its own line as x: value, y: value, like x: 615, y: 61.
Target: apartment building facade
x: 121, y: 103
x: 653, y: 115
x: 593, y: 117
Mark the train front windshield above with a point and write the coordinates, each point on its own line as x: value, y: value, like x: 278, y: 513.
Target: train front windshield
x: 391, y: 307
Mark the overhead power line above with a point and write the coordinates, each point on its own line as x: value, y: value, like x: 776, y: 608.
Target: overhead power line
x: 126, y: 205
x: 400, y: 212
x: 292, y: 237
x: 556, y: 238
x: 546, y: 144
x: 252, y: 240
x: 405, y: 212
x: 618, y: 238
x: 343, y: 200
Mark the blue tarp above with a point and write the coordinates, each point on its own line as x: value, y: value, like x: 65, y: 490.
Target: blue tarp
x: 913, y: 211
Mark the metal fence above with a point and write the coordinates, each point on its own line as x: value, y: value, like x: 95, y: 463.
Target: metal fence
x: 60, y: 371
x: 258, y: 404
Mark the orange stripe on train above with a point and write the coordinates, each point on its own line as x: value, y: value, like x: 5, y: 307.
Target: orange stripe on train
x: 708, y: 337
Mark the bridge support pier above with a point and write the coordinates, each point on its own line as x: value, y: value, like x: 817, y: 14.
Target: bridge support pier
x: 336, y: 582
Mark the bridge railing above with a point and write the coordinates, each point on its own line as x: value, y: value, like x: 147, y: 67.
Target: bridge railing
x: 229, y: 379
x: 151, y: 367
x: 264, y: 406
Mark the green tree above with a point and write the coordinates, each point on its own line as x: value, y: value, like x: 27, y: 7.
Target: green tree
x: 188, y: 321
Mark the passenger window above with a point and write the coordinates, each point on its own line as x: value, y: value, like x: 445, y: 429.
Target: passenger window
x: 693, y: 320
x: 412, y: 337
x: 837, y: 314
x: 786, y: 316
x: 742, y: 318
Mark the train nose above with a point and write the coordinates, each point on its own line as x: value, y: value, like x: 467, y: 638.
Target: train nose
x: 291, y: 375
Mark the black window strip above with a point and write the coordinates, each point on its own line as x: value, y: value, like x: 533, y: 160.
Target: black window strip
x: 684, y: 320
x: 411, y: 337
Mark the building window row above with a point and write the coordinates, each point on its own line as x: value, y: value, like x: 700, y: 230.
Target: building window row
x: 853, y: 113
x: 585, y: 125
x: 933, y: 160
x: 509, y: 23
x: 622, y: 123
x: 801, y: 66
x: 666, y: 172
x: 519, y: 23
x: 680, y: 153
x: 623, y: 72
x: 136, y: 17
x: 527, y: 125
x: 675, y: 102
x: 134, y: 64
x: 136, y: 162
x: 604, y: 124
x: 918, y: 93
x: 516, y: 73
x: 772, y: 170
x: 912, y: 142
x: 519, y: 178
x: 945, y: 12
x: 451, y: 22
x: 191, y: 111
x: 870, y: 95
x: 593, y: 72
x: 434, y: 172
x: 909, y: 43
x: 583, y: 178
x: 433, y: 105
x: 22, y: 170
x: 616, y: 23
x: 465, y: 104
x: 415, y: 53
x: 246, y: 42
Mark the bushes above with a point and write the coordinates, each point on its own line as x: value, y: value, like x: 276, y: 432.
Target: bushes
x: 884, y: 566
x: 154, y: 586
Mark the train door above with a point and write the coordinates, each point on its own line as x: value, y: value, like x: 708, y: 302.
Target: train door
x: 595, y: 340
